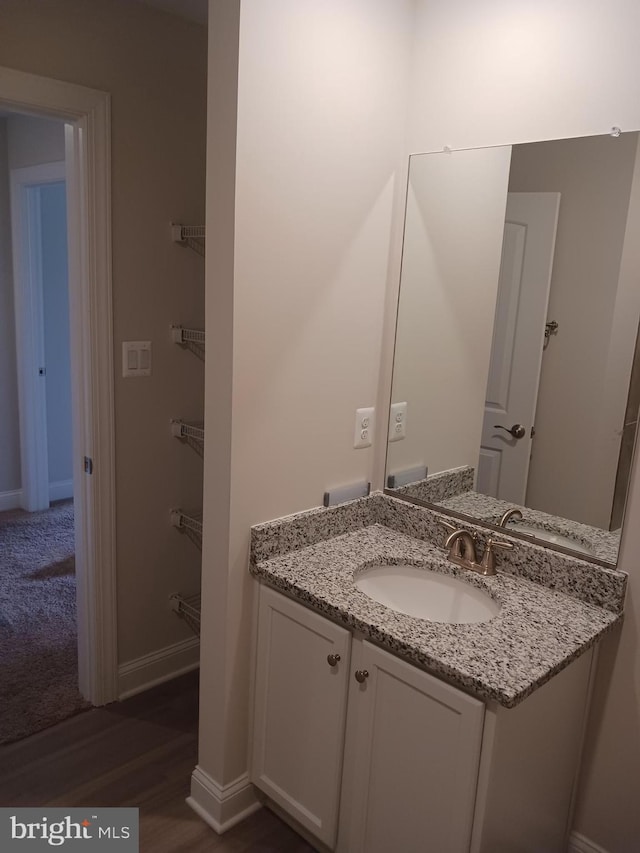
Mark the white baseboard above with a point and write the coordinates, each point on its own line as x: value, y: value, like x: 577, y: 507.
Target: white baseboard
x: 579, y: 844
x: 10, y: 500
x: 221, y: 806
x: 155, y: 668
x: 60, y: 491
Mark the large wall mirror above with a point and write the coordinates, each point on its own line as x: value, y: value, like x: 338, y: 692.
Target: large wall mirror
x: 516, y: 379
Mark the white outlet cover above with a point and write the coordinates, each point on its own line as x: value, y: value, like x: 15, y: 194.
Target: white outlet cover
x: 363, y: 431
x: 398, y: 422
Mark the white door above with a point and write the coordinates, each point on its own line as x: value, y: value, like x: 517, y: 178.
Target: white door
x: 302, y: 671
x: 518, y: 339
x: 32, y: 260
x: 413, y: 754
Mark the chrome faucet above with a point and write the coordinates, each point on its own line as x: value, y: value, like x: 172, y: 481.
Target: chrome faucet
x: 514, y: 514
x: 461, y: 545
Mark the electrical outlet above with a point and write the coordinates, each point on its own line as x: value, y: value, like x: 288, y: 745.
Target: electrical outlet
x: 136, y: 358
x: 363, y: 432
x: 398, y: 422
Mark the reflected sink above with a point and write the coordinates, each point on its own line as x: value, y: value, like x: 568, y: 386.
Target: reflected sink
x: 551, y: 536
x: 426, y: 594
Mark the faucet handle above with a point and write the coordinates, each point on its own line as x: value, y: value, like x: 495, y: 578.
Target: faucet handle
x: 488, y: 561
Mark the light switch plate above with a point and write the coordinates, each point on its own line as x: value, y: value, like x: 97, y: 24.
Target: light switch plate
x: 136, y: 358
x: 363, y: 431
x: 398, y: 422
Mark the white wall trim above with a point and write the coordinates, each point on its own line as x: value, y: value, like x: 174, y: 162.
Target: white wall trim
x: 88, y: 161
x: 61, y: 490
x: 579, y: 844
x: 222, y: 806
x: 157, y: 667
x: 10, y: 500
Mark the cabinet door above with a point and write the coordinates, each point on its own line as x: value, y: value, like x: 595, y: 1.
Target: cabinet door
x: 300, y: 710
x: 412, y: 763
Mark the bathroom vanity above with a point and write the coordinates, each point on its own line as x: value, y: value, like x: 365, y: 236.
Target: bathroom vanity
x: 374, y: 730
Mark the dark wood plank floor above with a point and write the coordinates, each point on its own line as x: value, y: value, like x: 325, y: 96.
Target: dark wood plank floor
x: 135, y: 753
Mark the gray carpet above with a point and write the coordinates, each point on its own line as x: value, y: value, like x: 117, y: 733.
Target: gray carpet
x: 38, y: 653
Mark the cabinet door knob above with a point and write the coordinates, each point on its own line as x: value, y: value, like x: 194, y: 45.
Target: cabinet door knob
x: 361, y: 675
x: 333, y: 660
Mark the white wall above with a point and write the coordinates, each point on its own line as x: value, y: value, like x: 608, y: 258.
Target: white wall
x: 9, y: 423
x: 318, y: 157
x: 574, y: 461
x: 450, y: 269
x: 320, y: 126
x: 502, y: 72
x: 499, y: 72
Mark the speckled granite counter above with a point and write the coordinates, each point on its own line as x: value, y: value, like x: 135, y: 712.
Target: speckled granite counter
x: 602, y: 543
x: 453, y: 490
x: 537, y: 633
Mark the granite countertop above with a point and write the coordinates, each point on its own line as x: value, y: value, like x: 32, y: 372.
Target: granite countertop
x: 602, y: 544
x: 537, y: 633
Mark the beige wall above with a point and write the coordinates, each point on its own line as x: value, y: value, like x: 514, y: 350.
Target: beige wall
x: 154, y: 66
x: 319, y: 170
x: 33, y: 140
x: 574, y: 461
x: 10, y: 480
x: 506, y: 89
x: 450, y: 269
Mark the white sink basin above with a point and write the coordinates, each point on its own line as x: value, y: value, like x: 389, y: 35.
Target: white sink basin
x: 426, y: 594
x: 551, y: 536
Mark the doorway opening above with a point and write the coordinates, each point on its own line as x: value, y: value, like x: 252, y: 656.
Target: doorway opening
x: 38, y: 655
x: 71, y: 456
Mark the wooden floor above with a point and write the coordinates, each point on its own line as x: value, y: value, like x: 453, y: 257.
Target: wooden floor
x: 136, y: 753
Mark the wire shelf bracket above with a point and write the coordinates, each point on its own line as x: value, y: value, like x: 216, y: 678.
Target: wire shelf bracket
x: 187, y: 429
x: 187, y: 607
x: 187, y: 521
x: 180, y: 335
x: 189, y: 235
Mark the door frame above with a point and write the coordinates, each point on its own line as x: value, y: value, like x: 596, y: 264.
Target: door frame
x: 88, y: 174
x: 29, y: 317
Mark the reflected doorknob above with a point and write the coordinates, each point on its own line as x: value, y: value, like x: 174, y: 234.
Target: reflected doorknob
x: 517, y: 430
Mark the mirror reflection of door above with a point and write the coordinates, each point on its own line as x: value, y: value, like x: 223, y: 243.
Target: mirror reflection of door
x: 518, y: 338
x: 577, y: 467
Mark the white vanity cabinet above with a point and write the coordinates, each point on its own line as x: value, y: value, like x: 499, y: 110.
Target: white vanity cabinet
x: 411, y: 759
x: 302, y: 667
x: 367, y: 753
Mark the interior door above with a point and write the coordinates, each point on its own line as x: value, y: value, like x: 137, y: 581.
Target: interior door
x: 29, y: 261
x: 518, y: 339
